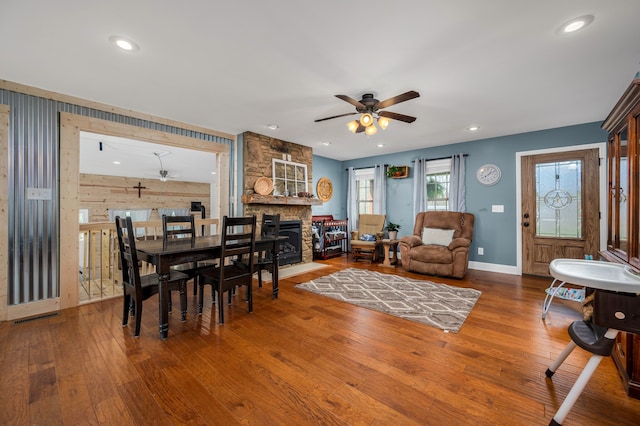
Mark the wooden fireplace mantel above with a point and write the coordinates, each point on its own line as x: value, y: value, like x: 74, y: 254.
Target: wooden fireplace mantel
x: 270, y: 199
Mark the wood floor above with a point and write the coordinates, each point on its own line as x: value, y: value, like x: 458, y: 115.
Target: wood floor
x: 306, y: 359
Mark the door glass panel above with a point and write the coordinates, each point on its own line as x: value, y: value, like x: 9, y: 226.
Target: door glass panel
x: 622, y: 191
x: 613, y: 166
x: 559, y: 199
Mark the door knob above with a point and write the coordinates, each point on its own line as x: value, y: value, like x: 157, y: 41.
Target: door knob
x: 526, y: 215
x: 526, y: 224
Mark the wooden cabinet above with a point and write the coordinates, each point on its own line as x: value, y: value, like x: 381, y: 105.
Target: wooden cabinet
x: 330, y: 237
x: 623, y: 238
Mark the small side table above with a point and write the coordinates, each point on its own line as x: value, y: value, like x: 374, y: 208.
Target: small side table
x: 390, y: 261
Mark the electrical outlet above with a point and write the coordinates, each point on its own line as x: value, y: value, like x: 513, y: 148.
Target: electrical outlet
x: 480, y: 251
x: 497, y: 208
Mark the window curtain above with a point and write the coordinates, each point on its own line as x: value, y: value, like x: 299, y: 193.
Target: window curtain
x: 137, y: 215
x: 173, y: 212
x: 379, y: 190
x: 352, y: 208
x: 419, y: 186
x: 457, y: 190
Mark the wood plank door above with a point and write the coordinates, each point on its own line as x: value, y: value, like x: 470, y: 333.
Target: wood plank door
x: 560, y: 208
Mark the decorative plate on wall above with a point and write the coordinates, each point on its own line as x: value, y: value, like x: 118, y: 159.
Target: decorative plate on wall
x: 324, y: 188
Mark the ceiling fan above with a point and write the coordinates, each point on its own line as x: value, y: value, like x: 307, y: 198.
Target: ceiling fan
x: 369, y: 108
x: 164, y: 174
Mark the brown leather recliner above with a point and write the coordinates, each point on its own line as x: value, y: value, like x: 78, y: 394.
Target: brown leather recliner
x: 439, y: 258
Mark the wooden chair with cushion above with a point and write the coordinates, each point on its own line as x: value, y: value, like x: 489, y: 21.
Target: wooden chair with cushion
x: 138, y: 288
x: 366, y: 239
x: 439, y: 244
x: 236, y: 262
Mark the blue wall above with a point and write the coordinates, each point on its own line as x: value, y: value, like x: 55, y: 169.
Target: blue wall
x: 334, y: 170
x: 495, y: 232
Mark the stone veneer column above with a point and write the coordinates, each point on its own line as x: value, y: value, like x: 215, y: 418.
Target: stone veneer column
x: 257, y: 153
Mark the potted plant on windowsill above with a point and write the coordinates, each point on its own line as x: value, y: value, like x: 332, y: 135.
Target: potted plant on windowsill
x: 392, y: 229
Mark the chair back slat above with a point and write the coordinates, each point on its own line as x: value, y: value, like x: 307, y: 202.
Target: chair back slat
x: 270, y: 227
x: 178, y: 227
x: 238, y: 244
x: 128, y: 253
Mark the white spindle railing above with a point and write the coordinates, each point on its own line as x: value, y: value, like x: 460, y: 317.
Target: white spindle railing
x: 99, y: 258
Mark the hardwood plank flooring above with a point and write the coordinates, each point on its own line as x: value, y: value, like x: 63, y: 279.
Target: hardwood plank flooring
x: 306, y: 359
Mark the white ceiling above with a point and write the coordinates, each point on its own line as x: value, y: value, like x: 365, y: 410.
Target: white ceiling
x: 238, y: 66
x: 99, y: 153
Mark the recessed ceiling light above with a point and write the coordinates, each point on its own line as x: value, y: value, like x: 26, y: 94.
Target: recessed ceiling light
x: 380, y: 145
x: 116, y: 162
x: 213, y: 173
x: 326, y: 143
x: 273, y: 126
x: 124, y: 43
x: 575, y: 24
x: 473, y: 128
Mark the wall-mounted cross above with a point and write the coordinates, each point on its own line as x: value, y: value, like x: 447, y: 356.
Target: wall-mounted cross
x: 139, y: 188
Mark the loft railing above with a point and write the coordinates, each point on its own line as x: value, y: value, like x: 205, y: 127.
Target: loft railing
x: 100, y: 275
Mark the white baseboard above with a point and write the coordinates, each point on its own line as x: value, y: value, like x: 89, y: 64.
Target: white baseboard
x: 493, y: 267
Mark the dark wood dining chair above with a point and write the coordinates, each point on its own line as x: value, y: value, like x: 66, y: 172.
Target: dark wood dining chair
x: 137, y: 288
x: 269, y: 227
x: 236, y: 268
x: 183, y: 227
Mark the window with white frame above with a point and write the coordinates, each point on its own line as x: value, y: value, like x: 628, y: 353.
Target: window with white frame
x: 364, y: 190
x: 437, y: 184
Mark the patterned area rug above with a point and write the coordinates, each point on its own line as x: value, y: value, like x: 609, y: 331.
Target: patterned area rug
x: 437, y: 305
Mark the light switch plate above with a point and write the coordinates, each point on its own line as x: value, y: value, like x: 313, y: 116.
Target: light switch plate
x: 497, y: 208
x: 38, y: 193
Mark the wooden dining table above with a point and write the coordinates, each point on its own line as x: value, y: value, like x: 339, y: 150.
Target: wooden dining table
x: 185, y: 250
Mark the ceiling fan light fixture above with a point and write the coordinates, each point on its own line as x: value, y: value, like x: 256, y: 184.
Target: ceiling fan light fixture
x: 366, y: 119
x: 383, y: 122
x: 353, y: 125
x: 371, y: 130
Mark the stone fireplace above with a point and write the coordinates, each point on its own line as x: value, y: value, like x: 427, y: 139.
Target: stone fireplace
x: 258, y: 151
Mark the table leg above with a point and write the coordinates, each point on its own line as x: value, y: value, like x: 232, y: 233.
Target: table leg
x: 386, y: 255
x: 390, y: 261
x: 394, y: 257
x: 163, y: 301
x: 276, y: 262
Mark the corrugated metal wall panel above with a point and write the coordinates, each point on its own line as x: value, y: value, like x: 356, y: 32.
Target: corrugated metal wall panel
x: 34, y: 163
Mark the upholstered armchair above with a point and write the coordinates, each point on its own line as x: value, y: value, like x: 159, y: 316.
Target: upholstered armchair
x: 365, y: 239
x: 439, y: 244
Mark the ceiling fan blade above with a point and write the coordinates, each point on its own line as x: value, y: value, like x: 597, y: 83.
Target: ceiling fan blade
x: 352, y: 101
x: 412, y: 94
x: 396, y: 116
x: 335, y: 116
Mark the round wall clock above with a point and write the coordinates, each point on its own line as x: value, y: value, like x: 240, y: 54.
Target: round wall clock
x: 324, y: 188
x: 489, y: 174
